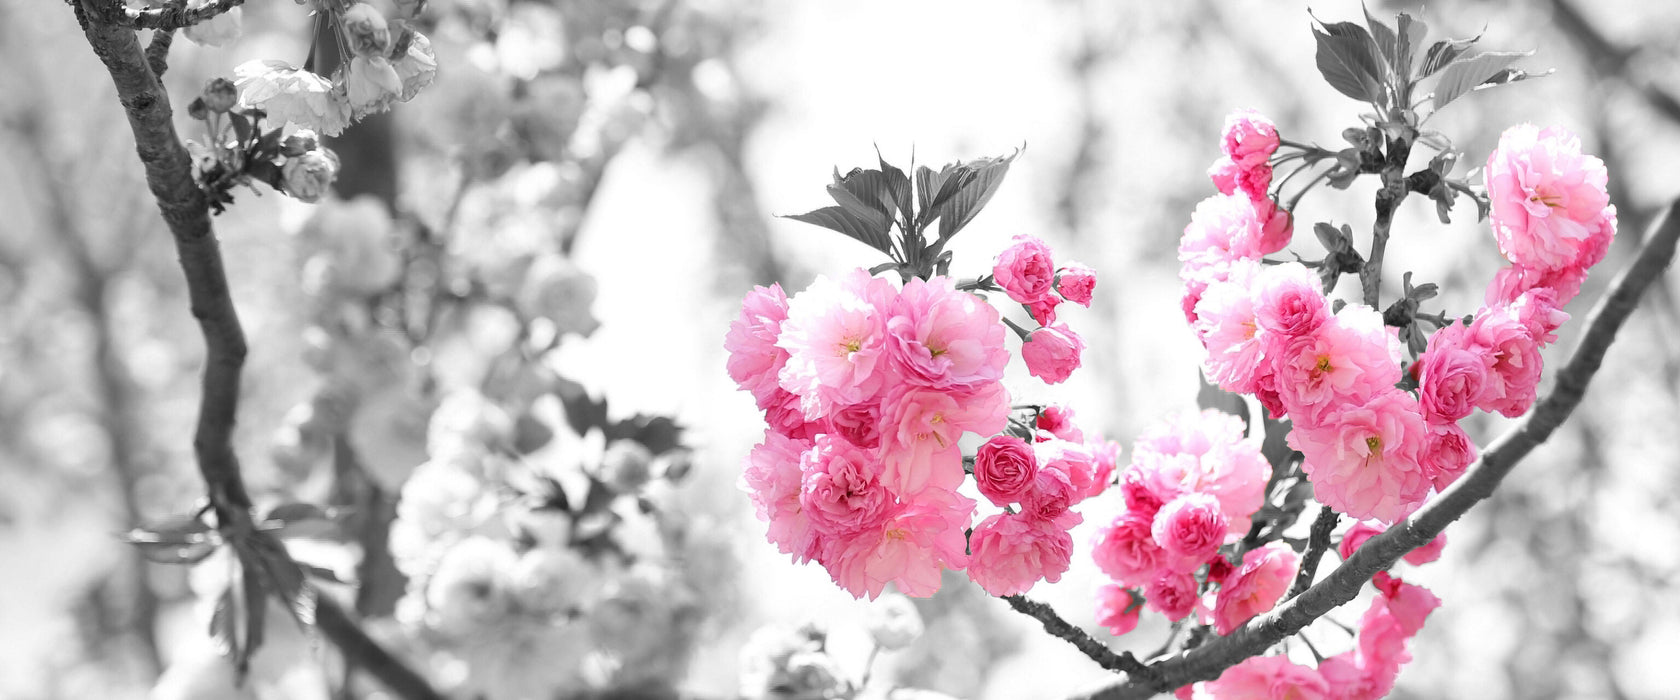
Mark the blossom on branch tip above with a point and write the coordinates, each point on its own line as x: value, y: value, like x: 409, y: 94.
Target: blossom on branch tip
x: 1255, y: 586
x: 1012, y: 551
x: 1025, y: 270
x: 1550, y: 204
x: 1052, y: 353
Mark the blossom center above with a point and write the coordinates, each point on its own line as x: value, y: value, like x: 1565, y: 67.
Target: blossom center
x: 1374, y: 444
x: 1324, y: 363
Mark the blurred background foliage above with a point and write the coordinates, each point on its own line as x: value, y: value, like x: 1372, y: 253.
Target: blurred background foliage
x: 647, y: 143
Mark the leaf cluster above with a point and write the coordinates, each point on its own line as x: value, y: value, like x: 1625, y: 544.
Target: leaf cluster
x: 871, y: 203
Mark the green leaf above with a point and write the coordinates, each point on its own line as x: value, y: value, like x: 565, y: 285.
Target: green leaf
x: 1346, y: 59
x: 973, y: 194
x: 1465, y: 75
x: 1442, y: 54
x: 839, y: 218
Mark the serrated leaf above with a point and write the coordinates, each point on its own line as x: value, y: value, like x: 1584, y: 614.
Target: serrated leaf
x: 1345, y: 58
x: 961, y: 208
x: 837, y: 218
x: 1411, y: 34
x: 224, y: 633
x: 933, y: 189
x: 1386, y: 43
x: 241, y: 127
x: 256, y: 608
x: 1444, y: 53
x: 1465, y: 75
x: 288, y: 512
x: 321, y: 572
x: 1331, y: 238
x: 1510, y: 75
x: 868, y: 193
x: 898, y: 185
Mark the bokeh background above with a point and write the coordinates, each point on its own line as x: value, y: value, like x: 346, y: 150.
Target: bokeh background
x: 670, y: 133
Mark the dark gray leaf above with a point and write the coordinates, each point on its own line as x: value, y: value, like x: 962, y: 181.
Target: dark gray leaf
x: 898, y: 185
x: 1386, y: 43
x: 1465, y: 75
x: 837, y: 218
x: 1442, y: 54
x: 972, y: 196
x: 868, y: 193
x: 1410, y: 40
x: 1346, y: 60
x: 934, y: 188
x: 288, y: 512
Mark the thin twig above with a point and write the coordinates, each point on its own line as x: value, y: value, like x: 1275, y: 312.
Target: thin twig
x: 185, y: 210
x: 1123, y: 662
x: 1478, y: 483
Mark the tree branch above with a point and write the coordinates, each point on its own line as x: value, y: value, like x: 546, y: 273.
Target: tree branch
x: 1317, y: 542
x: 186, y: 211
x: 1123, y: 662
x: 1393, y: 191
x: 1380, y: 552
x: 167, y: 18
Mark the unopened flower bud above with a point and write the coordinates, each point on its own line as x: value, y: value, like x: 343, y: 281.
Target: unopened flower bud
x: 300, y: 142
x: 220, y: 95
x: 308, y: 176
x: 366, y: 30
x: 197, y: 110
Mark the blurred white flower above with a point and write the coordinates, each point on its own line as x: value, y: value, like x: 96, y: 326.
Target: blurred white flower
x: 626, y: 466
x: 554, y: 581
x: 467, y: 421
x: 893, y: 621
x: 388, y: 434
x: 417, y: 67
x: 471, y: 591
x: 557, y: 289
x: 220, y: 30
x: 371, y: 84
x: 292, y: 95
x: 765, y: 656
x: 353, y: 246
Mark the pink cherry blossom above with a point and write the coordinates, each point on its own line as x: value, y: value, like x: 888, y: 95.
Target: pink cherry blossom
x: 1549, y: 200
x: 1025, y: 270
x: 1012, y: 551
x: 1224, y: 228
x: 1538, y: 310
x: 1289, y: 301
x: 1044, y: 310
x: 1446, y: 453
x: 1366, y: 529
x: 1004, y: 468
x: 1363, y: 460
x: 1249, y: 138
x: 920, y: 428
x: 754, y: 359
x: 1226, y: 175
x: 1053, y: 492
x: 1511, y: 281
x: 1255, y: 586
x: 910, y: 550
x: 1075, y: 283
x: 1514, y: 376
x: 786, y: 415
x: 1058, y: 420
x: 1117, y: 609
x: 1052, y: 353
x: 1269, y: 678
x: 1171, y: 593
x: 841, y: 489
x: 943, y: 338
x: 835, y: 335
x: 1204, y: 452
x: 1452, y: 374
x: 1189, y: 529
x: 772, y: 480
x: 858, y: 423
x: 1125, y: 550
x: 1105, y: 458
x: 1226, y: 324
x: 1350, y: 358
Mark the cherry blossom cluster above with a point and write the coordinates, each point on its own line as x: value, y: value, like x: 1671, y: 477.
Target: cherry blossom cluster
x: 867, y: 389
x: 1366, y: 672
x: 385, y: 61
x: 1374, y: 450
x: 1191, y: 487
x: 1028, y: 275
